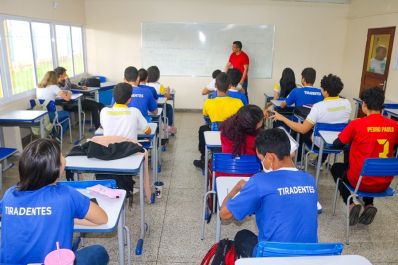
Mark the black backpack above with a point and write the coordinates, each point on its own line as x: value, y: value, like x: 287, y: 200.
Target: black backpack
x: 90, y: 82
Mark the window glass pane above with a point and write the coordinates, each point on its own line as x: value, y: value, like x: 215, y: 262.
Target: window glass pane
x: 42, y: 47
x: 19, y: 55
x: 77, y: 44
x: 1, y: 89
x: 64, y: 48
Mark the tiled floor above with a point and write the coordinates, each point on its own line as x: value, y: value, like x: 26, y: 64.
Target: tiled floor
x: 175, y: 220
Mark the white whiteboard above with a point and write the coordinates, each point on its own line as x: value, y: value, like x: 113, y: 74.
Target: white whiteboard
x: 197, y: 49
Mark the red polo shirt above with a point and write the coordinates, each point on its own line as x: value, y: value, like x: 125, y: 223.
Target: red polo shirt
x: 238, y: 61
x: 370, y: 137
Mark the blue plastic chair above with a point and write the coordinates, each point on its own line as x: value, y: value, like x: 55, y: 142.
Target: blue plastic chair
x: 58, y: 118
x: 337, y: 127
x: 279, y: 249
x: 373, y: 167
x: 228, y: 164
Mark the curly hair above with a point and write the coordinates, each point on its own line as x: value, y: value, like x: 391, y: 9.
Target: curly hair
x: 243, y: 123
x: 332, y: 84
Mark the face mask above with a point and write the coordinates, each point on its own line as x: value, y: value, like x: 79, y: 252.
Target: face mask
x: 264, y: 169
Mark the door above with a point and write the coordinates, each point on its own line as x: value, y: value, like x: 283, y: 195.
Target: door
x: 377, y: 58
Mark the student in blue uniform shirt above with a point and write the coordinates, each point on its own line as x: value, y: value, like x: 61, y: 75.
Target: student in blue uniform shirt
x: 141, y: 98
x: 306, y: 95
x: 142, y: 82
x: 284, y: 200
x: 37, y: 213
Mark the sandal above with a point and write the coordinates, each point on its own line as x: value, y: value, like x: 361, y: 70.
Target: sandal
x: 368, y: 215
x: 354, y: 214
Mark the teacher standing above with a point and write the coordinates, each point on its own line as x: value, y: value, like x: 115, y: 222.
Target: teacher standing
x: 239, y: 60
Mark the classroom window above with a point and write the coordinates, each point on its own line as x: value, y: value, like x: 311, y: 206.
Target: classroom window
x: 19, y: 55
x: 41, y: 36
x: 77, y: 47
x: 64, y: 48
x: 1, y: 89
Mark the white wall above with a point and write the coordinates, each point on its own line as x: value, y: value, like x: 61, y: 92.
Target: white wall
x: 365, y: 14
x: 306, y: 34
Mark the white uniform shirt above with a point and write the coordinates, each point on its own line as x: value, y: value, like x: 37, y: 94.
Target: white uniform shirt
x: 331, y: 110
x: 47, y: 93
x: 122, y: 121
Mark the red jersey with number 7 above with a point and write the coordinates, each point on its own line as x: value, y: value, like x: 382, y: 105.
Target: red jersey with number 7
x: 373, y: 136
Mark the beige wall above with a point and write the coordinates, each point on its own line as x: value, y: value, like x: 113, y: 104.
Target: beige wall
x: 306, y: 35
x: 365, y: 14
x: 71, y: 11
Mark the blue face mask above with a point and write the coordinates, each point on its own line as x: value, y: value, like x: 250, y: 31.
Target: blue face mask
x: 264, y: 169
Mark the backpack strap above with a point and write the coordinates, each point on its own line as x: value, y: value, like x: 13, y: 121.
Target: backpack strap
x: 209, y: 255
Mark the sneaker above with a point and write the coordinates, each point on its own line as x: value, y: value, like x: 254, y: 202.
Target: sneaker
x: 199, y: 164
x: 354, y: 214
x: 172, y: 129
x: 368, y: 215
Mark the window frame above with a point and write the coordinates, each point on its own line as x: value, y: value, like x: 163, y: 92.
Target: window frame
x: 5, y: 77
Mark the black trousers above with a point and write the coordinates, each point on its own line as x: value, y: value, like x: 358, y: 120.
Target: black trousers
x: 88, y: 105
x: 245, y: 241
x: 202, y: 144
x: 339, y: 170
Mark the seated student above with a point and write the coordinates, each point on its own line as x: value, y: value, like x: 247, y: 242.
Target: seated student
x: 217, y: 109
x: 153, y: 78
x: 283, y: 200
x: 211, y: 87
x: 372, y: 136
x: 308, y: 94
x: 48, y: 88
x: 142, y: 98
x: 238, y: 132
x: 37, y: 213
x: 121, y: 120
x: 87, y: 104
x: 234, y: 92
x: 285, y: 85
x: 142, y: 82
x: 332, y: 109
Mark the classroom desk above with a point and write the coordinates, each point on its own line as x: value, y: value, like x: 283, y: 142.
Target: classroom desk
x: 388, y: 104
x: 21, y: 118
x: 277, y: 103
x: 391, y: 113
x: 268, y: 98
x: 131, y: 165
x: 153, y: 137
x: 224, y: 186
x: 76, y: 98
x: 88, y: 91
x: 309, y: 260
x: 212, y: 141
x: 4, y: 154
x: 114, y: 208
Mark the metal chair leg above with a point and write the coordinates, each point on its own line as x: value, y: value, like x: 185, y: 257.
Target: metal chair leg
x: 335, y: 196
x: 348, y: 219
x: 70, y: 131
x: 204, y: 213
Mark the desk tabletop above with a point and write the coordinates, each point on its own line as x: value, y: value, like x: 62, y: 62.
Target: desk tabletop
x: 293, y: 143
x: 225, y: 185
x: 329, y: 136
x: 21, y: 115
x: 277, y: 103
x: 310, y: 260
x: 107, y: 84
x: 112, y: 207
x: 213, y: 138
x: 153, y: 126
x: 130, y: 164
x: 86, y: 90
x: 162, y: 100
x: 393, y: 112
x: 160, y: 110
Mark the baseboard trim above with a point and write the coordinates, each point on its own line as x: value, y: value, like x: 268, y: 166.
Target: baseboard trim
x: 189, y: 110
